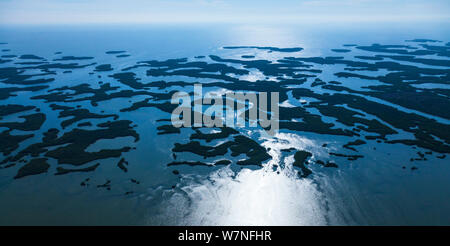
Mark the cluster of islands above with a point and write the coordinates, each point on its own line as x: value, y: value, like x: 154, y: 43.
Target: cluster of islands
x: 376, y: 113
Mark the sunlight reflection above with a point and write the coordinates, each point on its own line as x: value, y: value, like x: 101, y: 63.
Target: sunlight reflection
x: 252, y: 197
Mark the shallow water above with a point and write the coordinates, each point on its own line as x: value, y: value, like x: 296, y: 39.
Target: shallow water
x: 373, y: 190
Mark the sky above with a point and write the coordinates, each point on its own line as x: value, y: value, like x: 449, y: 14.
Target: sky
x: 227, y: 11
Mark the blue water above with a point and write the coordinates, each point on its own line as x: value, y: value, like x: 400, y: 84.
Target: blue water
x: 371, y: 191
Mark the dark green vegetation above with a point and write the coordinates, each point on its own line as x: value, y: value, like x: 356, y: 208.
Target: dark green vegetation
x: 74, y: 143
x: 62, y: 170
x: 76, y: 114
x: 327, y: 164
x: 300, y: 158
x: 31, y: 57
x: 106, y: 185
x: 255, y: 153
x: 349, y: 157
x: 9, y: 143
x: 32, y: 122
x: 199, y: 163
x: 7, y: 92
x: 35, y: 166
x: 208, y: 137
x: 354, y: 143
x: 70, y: 146
x: 167, y: 129
x: 113, y: 52
x: 265, y: 48
x: 103, y: 68
x: 12, y: 109
x: 423, y: 40
x: 122, y: 165
x: 74, y: 58
x: 375, y: 113
x: 301, y: 161
x: 340, y: 50
x: 15, y: 76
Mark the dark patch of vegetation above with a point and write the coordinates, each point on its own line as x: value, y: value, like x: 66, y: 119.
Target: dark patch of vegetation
x: 32, y: 122
x: 167, y: 129
x: 7, y: 92
x: 354, y: 143
x: 72, y: 144
x: 240, y: 145
x: 199, y: 163
x: 114, y: 52
x: 61, y: 170
x: 73, y: 58
x: 106, y: 185
x: 77, y: 114
x: 341, y: 50
x: 31, y: 57
x: 9, y: 143
x: 35, y: 166
x: 300, y: 158
x: 208, y: 137
x: 327, y: 164
x: 122, y: 164
x: 297, y: 49
x: 103, y: 68
x: 349, y: 157
x: 13, y: 108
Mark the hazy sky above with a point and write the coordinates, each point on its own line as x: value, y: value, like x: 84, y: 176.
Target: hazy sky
x: 185, y: 11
